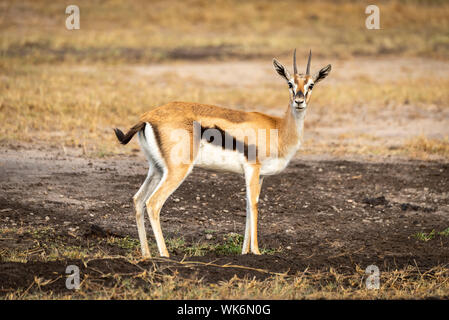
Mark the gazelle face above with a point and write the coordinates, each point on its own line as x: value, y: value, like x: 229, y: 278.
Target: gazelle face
x: 300, y: 85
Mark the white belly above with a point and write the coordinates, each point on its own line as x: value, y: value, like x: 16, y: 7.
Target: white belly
x: 215, y: 158
x: 273, y: 166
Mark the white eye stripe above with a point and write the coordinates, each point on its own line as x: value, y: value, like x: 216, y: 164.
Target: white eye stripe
x: 310, y: 87
x: 292, y: 85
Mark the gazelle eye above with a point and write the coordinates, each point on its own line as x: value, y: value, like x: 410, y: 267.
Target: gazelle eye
x: 290, y: 85
x: 311, y: 86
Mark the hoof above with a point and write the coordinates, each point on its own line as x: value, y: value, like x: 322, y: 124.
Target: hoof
x: 165, y: 255
x: 146, y: 256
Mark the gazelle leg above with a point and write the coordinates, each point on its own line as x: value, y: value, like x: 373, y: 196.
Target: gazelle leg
x: 253, y: 187
x: 246, y: 241
x: 148, y: 186
x: 169, y: 183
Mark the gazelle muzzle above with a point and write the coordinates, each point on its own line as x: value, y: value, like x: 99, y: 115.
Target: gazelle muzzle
x: 299, y: 100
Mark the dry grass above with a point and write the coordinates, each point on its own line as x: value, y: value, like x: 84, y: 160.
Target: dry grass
x: 69, y: 88
x: 153, y: 283
x: 77, y: 107
x: 421, y: 147
x: 411, y: 283
x: 137, y: 31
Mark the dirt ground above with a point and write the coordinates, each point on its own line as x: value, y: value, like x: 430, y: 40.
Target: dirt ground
x: 319, y: 213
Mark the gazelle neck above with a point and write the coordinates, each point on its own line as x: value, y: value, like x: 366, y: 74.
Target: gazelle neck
x: 291, y: 130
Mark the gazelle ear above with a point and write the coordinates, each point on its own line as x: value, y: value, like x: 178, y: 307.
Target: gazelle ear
x: 281, y: 70
x: 323, y: 73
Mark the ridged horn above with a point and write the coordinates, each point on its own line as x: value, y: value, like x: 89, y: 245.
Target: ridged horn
x: 308, y: 63
x: 295, y: 69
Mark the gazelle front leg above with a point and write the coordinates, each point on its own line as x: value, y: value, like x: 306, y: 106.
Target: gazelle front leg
x: 253, y: 186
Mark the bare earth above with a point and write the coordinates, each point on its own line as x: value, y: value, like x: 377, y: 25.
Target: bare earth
x: 318, y: 213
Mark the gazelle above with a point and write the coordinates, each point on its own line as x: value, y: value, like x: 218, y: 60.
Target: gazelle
x: 213, y: 139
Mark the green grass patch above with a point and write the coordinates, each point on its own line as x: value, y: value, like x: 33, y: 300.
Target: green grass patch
x: 124, y: 243
x: 427, y: 236
x: 231, y: 245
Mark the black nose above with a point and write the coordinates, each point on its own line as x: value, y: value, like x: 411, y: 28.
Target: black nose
x: 299, y: 97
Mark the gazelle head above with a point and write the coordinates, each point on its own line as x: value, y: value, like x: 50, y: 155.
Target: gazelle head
x: 300, y: 85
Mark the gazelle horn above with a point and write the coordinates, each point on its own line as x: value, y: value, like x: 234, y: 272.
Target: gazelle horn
x: 295, y: 69
x: 308, y: 63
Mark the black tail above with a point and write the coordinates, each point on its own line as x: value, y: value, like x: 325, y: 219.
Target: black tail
x: 125, y: 138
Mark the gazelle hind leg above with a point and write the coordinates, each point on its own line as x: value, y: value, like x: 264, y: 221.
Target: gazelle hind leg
x: 253, y: 187
x: 169, y: 183
x: 139, y: 205
x: 151, y: 181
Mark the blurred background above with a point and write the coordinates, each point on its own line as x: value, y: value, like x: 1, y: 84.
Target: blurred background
x: 387, y: 94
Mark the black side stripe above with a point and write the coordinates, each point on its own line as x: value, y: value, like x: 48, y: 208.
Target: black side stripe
x: 228, y: 142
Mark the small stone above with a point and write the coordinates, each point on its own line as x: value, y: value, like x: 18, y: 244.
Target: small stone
x: 209, y: 236
x: 288, y: 247
x: 47, y: 218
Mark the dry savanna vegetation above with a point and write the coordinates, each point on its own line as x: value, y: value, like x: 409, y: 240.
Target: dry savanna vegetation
x: 62, y: 92
x: 69, y: 88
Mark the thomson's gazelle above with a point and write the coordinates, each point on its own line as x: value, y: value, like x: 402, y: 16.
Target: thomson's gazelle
x: 179, y: 135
